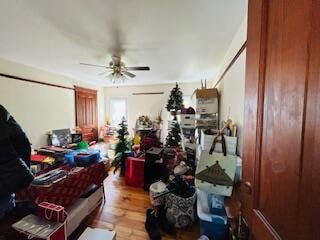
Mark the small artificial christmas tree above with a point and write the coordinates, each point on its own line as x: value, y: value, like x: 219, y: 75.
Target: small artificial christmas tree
x: 175, y: 101
x: 122, y: 146
x: 174, y: 139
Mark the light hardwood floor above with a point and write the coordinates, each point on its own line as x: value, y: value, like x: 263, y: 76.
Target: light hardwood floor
x: 124, y: 211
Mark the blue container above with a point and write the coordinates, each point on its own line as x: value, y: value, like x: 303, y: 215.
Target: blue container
x: 211, y: 225
x: 129, y: 154
x: 211, y: 203
x: 74, y: 159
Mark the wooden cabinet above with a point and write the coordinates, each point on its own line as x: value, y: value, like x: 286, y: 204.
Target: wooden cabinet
x: 281, y: 188
x: 86, y: 112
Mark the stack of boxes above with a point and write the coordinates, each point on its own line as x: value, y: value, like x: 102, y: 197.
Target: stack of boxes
x: 210, y: 207
x: 188, y: 122
x: 207, y: 108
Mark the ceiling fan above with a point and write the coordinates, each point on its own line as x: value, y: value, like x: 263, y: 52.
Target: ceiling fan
x: 118, y: 71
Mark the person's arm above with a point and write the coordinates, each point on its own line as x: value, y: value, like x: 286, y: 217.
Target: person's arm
x: 19, y: 140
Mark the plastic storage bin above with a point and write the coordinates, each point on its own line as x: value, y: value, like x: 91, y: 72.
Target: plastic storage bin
x: 134, y: 175
x: 82, y: 158
x: 211, y: 225
x: 211, y: 203
x: 187, y: 121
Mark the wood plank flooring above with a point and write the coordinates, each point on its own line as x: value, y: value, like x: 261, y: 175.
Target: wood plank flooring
x: 124, y: 211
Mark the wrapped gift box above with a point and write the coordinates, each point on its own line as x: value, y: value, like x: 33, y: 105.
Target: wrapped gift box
x: 51, y: 212
x: 134, y: 172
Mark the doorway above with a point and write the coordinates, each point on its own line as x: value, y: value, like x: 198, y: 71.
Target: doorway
x: 86, y: 112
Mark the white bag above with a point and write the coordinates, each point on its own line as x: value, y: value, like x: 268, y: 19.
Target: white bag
x: 212, y: 164
x: 207, y: 139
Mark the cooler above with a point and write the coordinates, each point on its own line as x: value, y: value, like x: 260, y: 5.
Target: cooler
x: 211, y: 225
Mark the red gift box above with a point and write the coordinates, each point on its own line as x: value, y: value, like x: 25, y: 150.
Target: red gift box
x: 51, y: 212
x: 134, y: 172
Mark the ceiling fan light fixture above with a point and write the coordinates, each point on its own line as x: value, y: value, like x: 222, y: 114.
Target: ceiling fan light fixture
x: 120, y: 72
x: 117, y: 78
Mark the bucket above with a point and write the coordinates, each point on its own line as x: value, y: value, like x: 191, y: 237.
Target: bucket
x: 156, y: 189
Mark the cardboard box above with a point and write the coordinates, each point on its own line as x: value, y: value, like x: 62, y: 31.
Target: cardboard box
x: 187, y: 120
x: 82, y: 208
x: 211, y: 123
x: 95, y: 199
x: 33, y: 227
x: 76, y: 214
x: 207, y: 101
x: 98, y: 234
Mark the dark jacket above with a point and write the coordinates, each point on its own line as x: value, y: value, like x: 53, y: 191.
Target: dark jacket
x: 15, y: 154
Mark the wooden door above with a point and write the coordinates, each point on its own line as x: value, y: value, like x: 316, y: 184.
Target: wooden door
x: 281, y: 187
x: 86, y: 112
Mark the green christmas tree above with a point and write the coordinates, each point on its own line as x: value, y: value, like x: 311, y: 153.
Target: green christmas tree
x: 175, y: 101
x: 122, y: 146
x: 174, y: 139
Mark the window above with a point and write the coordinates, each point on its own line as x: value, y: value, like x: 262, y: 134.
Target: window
x: 118, y: 110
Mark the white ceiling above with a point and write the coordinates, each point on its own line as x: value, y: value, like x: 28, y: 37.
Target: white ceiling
x: 181, y: 40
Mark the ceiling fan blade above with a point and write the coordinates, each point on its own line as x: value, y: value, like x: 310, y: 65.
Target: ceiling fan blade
x: 138, y: 68
x: 102, y: 73
x: 129, y: 74
x: 92, y: 65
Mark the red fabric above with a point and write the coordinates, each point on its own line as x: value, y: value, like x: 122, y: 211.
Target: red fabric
x: 134, y: 172
x: 67, y: 191
x: 38, y: 157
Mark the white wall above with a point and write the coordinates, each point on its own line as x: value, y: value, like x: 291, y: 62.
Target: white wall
x: 232, y: 86
x: 39, y: 108
x: 149, y: 105
x: 237, y: 41
x: 232, y: 96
